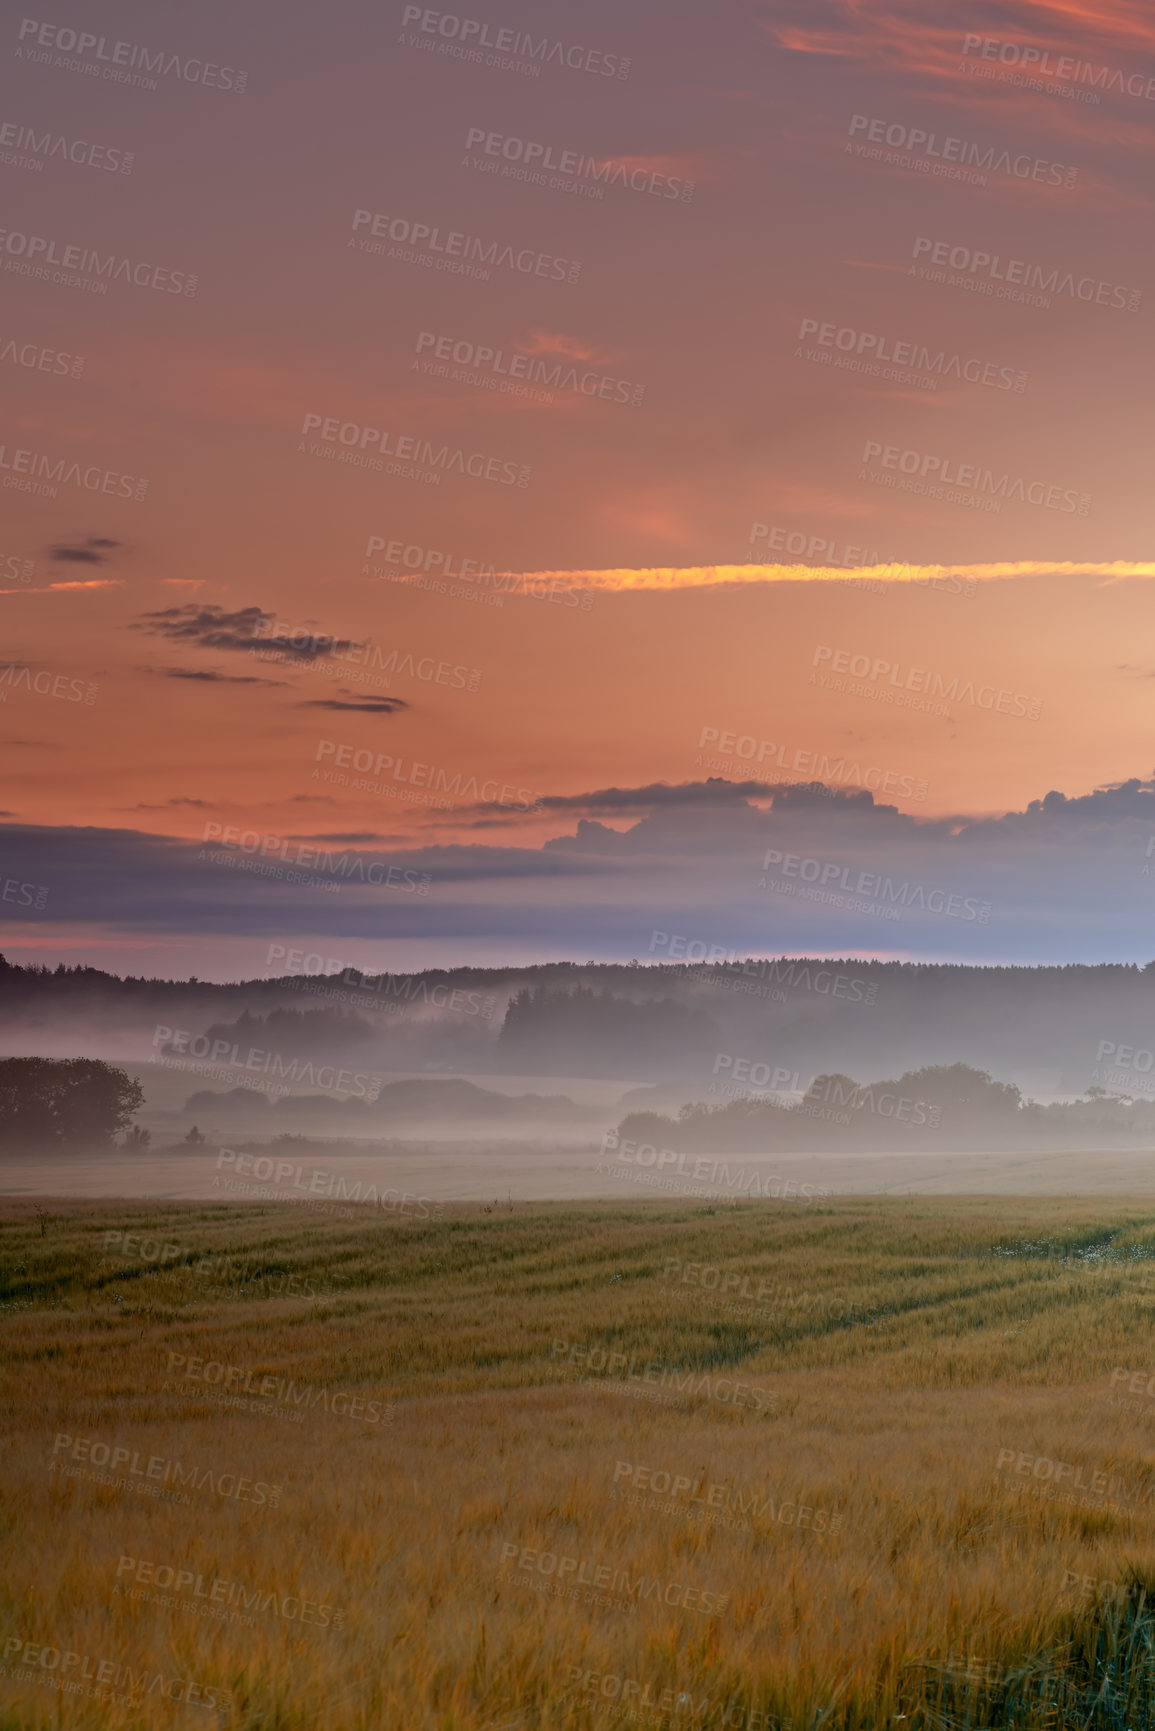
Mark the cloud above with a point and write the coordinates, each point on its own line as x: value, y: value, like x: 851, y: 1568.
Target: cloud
x: 93, y: 551
x: 208, y: 676
x: 713, y: 576
x: 206, y: 627
x: 61, y: 588
x: 620, y: 801
x: 211, y: 627
x: 176, y: 800
x: 554, y: 343
x: 359, y: 705
x: 349, y: 838
x: 1067, y: 879
x: 900, y: 35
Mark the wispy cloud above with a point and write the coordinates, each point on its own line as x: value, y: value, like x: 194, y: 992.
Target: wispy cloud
x: 63, y: 588
x: 714, y: 576
x: 95, y: 550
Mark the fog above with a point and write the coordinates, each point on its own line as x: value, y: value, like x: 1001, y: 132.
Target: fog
x: 543, y: 1079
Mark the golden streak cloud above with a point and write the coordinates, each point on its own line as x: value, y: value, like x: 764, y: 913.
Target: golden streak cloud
x: 667, y: 577
x: 67, y: 588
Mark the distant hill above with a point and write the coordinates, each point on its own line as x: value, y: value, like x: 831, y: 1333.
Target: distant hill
x: 695, y: 1027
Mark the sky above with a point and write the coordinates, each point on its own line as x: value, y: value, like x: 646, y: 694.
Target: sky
x: 465, y: 476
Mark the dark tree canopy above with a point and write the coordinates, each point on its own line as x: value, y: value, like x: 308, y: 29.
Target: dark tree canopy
x: 46, y: 1101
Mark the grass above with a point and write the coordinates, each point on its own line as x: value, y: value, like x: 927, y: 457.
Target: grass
x: 878, y: 1552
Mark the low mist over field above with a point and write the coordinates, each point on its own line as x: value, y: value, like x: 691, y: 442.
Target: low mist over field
x: 577, y: 867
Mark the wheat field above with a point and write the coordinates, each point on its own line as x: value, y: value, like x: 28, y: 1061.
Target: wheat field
x: 856, y: 1463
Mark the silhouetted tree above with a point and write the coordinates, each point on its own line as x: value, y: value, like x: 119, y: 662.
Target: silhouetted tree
x: 45, y: 1101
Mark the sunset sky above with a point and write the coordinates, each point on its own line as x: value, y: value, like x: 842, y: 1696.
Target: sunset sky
x: 800, y: 431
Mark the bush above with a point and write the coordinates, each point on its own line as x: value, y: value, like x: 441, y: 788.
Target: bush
x: 53, y: 1101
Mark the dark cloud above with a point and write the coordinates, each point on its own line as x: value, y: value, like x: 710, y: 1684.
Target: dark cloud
x: 359, y: 705
x: 1071, y: 878
x: 206, y: 627
x: 93, y: 551
x: 655, y: 796
x: 167, y: 803
x: 349, y: 838
x: 206, y: 676
x: 209, y: 627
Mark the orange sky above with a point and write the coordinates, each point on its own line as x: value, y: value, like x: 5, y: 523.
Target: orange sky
x: 759, y: 378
